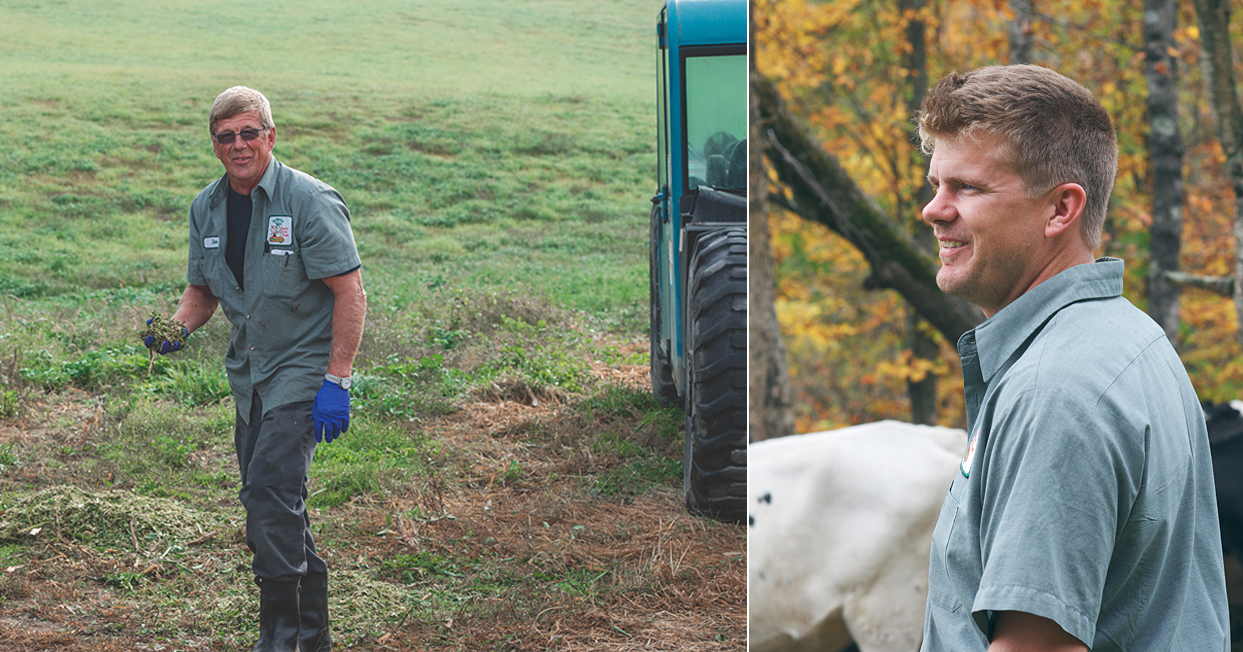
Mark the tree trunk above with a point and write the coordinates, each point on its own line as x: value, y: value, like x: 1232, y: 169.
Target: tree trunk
x: 1021, y: 31
x: 770, y: 398
x: 1165, y: 150
x: 1214, y: 19
x: 823, y: 192
x: 923, y: 392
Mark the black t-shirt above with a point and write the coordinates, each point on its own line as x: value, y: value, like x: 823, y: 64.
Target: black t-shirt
x: 240, y: 207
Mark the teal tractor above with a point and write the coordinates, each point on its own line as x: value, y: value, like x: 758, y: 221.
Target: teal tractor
x: 698, y: 251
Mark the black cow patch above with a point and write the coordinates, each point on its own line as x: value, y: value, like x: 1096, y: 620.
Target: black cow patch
x: 1223, y: 421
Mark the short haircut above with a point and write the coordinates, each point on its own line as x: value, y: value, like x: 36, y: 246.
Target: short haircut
x: 1053, y: 131
x: 236, y: 101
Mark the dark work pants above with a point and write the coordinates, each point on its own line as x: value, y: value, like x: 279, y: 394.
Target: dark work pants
x: 274, y: 454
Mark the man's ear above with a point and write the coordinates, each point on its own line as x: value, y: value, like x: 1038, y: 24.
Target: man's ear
x: 1068, y: 201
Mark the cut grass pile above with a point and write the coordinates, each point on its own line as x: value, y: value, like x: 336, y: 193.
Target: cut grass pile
x: 358, y: 603
x: 109, y: 517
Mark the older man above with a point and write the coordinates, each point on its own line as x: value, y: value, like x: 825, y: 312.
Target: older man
x: 1082, y: 515
x: 273, y: 247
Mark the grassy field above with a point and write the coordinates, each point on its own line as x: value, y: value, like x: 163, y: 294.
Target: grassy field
x: 519, y: 160
x: 507, y: 483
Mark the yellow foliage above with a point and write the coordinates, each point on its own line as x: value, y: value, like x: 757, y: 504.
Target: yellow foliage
x: 908, y: 368
x: 840, y: 63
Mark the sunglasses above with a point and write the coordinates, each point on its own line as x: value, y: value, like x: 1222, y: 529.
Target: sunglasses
x: 246, y: 134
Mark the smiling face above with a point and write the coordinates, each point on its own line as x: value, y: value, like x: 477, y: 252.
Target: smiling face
x: 992, y: 235
x: 245, y: 161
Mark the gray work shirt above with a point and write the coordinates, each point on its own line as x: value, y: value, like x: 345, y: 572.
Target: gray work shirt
x: 1086, y: 492
x: 282, y: 323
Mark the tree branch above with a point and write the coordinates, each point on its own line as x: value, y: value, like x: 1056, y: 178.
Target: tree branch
x: 825, y: 193
x: 1223, y: 285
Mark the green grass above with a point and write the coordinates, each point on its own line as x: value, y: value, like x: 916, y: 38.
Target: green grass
x: 373, y: 456
x: 564, y: 47
x: 531, y: 178
x: 497, y: 159
x: 190, y: 383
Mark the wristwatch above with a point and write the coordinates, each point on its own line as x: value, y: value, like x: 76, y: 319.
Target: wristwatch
x: 345, y: 383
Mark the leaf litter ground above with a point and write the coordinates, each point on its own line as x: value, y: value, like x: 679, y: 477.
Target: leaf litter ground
x: 505, y: 545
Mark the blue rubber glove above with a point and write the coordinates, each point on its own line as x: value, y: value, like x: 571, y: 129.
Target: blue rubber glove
x: 164, y: 346
x: 331, y: 412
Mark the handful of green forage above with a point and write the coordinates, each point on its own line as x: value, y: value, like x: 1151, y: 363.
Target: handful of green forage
x: 162, y: 335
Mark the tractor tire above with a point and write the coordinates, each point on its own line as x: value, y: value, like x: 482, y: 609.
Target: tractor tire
x: 663, y: 386
x: 714, y: 479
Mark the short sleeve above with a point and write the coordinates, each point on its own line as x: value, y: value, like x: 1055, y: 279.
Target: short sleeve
x: 326, y: 241
x: 1061, y: 475
x: 194, y: 271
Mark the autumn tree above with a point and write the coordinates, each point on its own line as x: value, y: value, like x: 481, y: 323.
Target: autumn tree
x: 769, y: 408
x: 842, y: 70
x: 1214, y: 20
x: 858, y: 89
x: 914, y: 62
x: 1021, y: 31
x: 1165, y: 148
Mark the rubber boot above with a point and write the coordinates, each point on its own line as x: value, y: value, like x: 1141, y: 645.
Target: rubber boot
x: 278, y: 616
x: 314, y: 609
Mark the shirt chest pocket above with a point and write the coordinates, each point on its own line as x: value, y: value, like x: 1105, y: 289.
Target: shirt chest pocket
x: 941, y: 587
x: 284, y: 276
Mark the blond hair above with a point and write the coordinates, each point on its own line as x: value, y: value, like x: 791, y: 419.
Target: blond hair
x: 1052, y: 130
x: 236, y: 101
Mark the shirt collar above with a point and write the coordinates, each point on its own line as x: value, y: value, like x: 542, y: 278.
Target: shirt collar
x: 1002, y: 334
x: 267, y: 182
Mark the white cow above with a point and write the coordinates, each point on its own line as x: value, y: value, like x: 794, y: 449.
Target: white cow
x: 839, y: 533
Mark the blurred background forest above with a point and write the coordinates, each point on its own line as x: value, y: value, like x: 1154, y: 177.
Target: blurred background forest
x: 852, y: 73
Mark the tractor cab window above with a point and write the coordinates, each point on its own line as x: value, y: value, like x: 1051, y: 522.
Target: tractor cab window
x: 716, y: 121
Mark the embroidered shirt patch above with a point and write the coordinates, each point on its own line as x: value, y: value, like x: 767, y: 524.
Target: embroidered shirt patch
x: 280, y: 230
x: 969, y: 456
